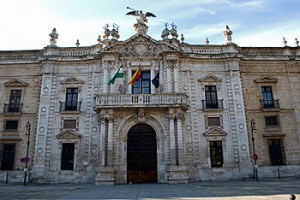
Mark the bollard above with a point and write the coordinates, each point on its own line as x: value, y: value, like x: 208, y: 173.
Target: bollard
x: 6, y: 180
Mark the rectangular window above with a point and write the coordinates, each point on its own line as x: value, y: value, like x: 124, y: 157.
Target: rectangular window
x: 276, y: 152
x: 142, y: 85
x: 7, y: 155
x: 213, y: 121
x: 211, y: 97
x: 71, y: 99
x: 69, y: 124
x: 216, y: 153
x: 15, y: 101
x: 11, y: 125
x: 271, y: 121
x: 267, y: 96
x: 67, y: 156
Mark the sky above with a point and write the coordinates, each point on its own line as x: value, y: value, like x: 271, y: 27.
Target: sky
x: 26, y: 24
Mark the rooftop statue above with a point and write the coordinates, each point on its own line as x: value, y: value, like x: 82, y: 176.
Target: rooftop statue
x: 53, y: 37
x: 141, y: 18
x: 227, y: 34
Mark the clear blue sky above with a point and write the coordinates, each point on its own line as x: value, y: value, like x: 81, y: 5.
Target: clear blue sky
x: 26, y: 24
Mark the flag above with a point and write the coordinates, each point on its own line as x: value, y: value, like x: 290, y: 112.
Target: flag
x: 118, y: 74
x: 135, y: 76
x: 155, y: 80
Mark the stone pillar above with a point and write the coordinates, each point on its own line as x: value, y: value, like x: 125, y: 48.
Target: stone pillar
x: 110, y: 142
x: 105, y: 172
x: 176, y: 78
x: 172, y: 139
x: 102, y: 142
x: 180, y: 118
x: 177, y: 172
x: 105, y: 78
x: 169, y: 81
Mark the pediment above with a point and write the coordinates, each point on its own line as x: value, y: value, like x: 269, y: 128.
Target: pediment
x: 72, y: 80
x: 266, y: 79
x: 140, y: 45
x: 68, y: 134
x: 16, y: 83
x: 215, y: 132
x: 210, y: 78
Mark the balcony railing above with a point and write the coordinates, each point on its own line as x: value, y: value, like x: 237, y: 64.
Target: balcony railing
x: 141, y: 100
x: 12, y: 108
x: 270, y: 104
x: 212, y: 104
x: 65, y: 107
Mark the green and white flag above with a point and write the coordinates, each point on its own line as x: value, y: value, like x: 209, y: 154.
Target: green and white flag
x: 117, y: 74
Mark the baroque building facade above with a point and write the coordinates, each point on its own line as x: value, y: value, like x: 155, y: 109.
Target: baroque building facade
x: 192, y: 123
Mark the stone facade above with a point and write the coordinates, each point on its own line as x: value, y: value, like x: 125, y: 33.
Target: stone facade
x: 84, y: 128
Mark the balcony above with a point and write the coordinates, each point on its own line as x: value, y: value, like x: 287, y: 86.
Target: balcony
x: 212, y: 104
x: 270, y: 104
x: 14, y: 108
x: 70, y: 107
x: 140, y: 100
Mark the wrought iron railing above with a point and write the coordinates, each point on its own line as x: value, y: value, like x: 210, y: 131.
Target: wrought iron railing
x: 212, y: 104
x: 65, y: 106
x: 12, y: 108
x: 141, y: 100
x: 270, y: 104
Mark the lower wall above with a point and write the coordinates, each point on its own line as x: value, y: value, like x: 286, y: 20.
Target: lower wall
x: 278, y: 171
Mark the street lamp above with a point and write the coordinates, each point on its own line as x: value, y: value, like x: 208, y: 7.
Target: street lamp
x: 255, y: 156
x: 26, y: 159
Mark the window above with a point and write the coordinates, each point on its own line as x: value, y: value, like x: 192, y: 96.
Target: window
x: 276, y: 152
x: 67, y: 156
x: 142, y: 85
x: 11, y: 125
x: 213, y: 121
x: 69, y: 124
x: 71, y: 99
x: 7, y: 155
x: 267, y: 96
x: 271, y: 121
x: 211, y: 98
x: 216, y: 153
x: 15, y: 101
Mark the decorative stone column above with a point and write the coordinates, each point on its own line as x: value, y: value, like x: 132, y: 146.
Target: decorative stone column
x: 105, y: 172
x: 177, y: 172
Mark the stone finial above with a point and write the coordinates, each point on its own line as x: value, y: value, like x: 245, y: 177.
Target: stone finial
x: 206, y: 41
x: 182, y: 38
x: 296, y: 42
x: 284, y: 42
x: 106, y: 31
x: 227, y: 34
x: 53, y: 37
x: 173, y: 31
x: 165, y: 32
x: 77, y: 43
x: 115, y: 31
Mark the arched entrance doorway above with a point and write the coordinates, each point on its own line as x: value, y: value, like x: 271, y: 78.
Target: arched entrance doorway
x: 141, y: 154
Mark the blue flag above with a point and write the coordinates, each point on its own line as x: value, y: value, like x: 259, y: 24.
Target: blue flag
x: 155, y: 80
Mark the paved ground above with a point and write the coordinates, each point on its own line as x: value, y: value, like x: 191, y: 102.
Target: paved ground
x: 206, y: 190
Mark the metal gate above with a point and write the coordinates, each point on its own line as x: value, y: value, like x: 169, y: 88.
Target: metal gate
x: 141, y: 155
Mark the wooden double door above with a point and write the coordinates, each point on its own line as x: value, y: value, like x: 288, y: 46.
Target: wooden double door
x: 141, y: 154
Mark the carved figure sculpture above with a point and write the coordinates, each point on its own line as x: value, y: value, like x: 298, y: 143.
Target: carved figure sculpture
x: 141, y: 18
x: 227, y: 34
x: 53, y: 37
